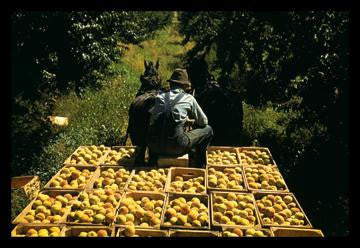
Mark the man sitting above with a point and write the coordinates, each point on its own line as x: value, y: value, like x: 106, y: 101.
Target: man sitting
x: 172, y: 111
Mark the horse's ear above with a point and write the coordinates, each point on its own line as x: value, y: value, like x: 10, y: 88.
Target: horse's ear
x: 145, y: 64
x: 157, y: 64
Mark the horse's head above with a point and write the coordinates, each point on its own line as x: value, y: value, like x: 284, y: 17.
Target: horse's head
x: 150, y: 80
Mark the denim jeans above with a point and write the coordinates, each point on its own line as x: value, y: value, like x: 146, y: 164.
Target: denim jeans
x: 194, y: 142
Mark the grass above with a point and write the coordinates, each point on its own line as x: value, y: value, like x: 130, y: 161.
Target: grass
x: 101, y: 116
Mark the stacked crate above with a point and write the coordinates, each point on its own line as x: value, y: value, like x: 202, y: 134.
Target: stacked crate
x: 98, y: 193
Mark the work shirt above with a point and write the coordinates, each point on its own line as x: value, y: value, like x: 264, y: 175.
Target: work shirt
x: 186, y: 107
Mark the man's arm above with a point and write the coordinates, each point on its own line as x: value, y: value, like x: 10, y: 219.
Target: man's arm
x: 198, y: 114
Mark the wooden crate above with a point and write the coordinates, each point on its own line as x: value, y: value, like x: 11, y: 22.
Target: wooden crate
x: 129, y: 162
x: 259, y: 195
x: 116, y: 168
x: 264, y: 190
x: 90, y: 191
x: 146, y: 169
x: 21, y: 229
x: 296, y: 232
x: 137, y: 195
x: 224, y: 148
x: 253, y: 148
x: 193, y: 233
x: 268, y: 231
x: 186, y: 173
x: 173, y: 161
x: 51, y: 193
x: 220, y: 226
x: 29, y: 185
x: 171, y: 196
x: 89, y: 184
x: 144, y: 232
x: 100, y: 160
x: 222, y: 168
x: 74, y: 231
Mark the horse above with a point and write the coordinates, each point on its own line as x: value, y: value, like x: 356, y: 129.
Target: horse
x: 224, y: 110
x: 140, y: 109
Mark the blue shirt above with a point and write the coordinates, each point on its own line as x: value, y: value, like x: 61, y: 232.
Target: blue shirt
x: 186, y: 108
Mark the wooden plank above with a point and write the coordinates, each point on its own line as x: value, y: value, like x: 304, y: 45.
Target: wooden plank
x: 171, y: 161
x: 144, y: 232
x: 193, y: 233
x: 74, y: 231
x: 268, y: 232
x: 296, y: 232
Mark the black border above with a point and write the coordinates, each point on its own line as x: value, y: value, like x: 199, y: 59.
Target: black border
x: 162, y: 5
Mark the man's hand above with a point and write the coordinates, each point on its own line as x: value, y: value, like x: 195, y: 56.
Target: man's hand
x: 189, y: 122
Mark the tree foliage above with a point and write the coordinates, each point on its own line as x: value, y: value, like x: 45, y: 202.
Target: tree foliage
x: 297, y: 62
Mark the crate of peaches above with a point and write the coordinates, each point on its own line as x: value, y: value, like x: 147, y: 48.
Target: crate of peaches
x: 233, y: 209
x: 88, y: 155
x: 186, y: 211
x: 37, y: 230
x: 264, y: 178
x: 50, y: 206
x: 131, y: 231
x: 255, y: 156
x: 88, y: 231
x: 222, y: 155
x: 186, y: 181
x: 246, y: 232
x: 94, y: 207
x: 121, y: 155
x: 280, y: 209
x: 112, y: 177
x: 148, y: 179
x: 227, y: 178
x: 141, y: 210
x: 73, y: 177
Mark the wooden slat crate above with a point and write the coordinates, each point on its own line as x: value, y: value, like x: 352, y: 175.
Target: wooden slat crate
x: 115, y: 168
x: 259, y: 195
x: 224, y: 194
x: 253, y: 148
x: 146, y: 170
x: 89, y: 183
x: 224, y: 148
x: 29, y: 185
x: 74, y: 231
x: 137, y: 195
x: 193, y: 233
x: 144, y: 232
x: 186, y: 174
x: 98, y: 162
x: 296, y: 232
x: 51, y: 193
x: 171, y: 196
x: 21, y: 229
x: 222, y: 168
x: 286, y: 189
x: 90, y: 192
x: 123, y: 162
x: 173, y: 161
x: 268, y: 232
